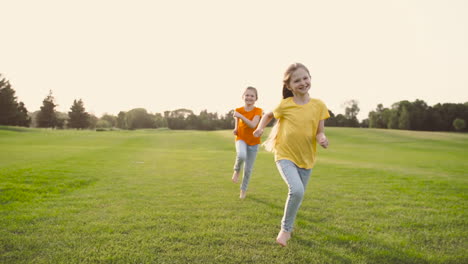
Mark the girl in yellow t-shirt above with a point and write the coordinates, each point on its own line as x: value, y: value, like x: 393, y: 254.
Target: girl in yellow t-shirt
x: 246, y: 120
x: 293, y: 139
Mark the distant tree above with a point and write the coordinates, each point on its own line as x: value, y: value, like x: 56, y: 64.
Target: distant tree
x: 204, y: 120
x: 111, y: 119
x: 33, y: 116
x: 11, y: 112
x: 138, y: 118
x: 446, y: 113
x: 121, y: 120
x: 176, y: 119
x: 186, y: 119
x: 79, y: 118
x: 386, y: 115
x: 228, y: 120
x: 404, y: 120
x: 364, y: 123
x: 351, y: 109
x: 351, y: 112
x: 22, y: 117
x: 459, y: 124
x: 395, y: 115
x: 8, y: 104
x: 47, y: 116
x: 331, y: 121
x: 92, y: 120
x: 192, y: 121
x: 373, y: 117
x: 159, y: 120
x: 379, y: 118
x: 102, y: 123
x: 62, y: 120
x: 341, y: 120
x: 418, y: 115
x: 393, y: 119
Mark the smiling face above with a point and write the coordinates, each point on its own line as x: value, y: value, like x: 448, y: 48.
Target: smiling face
x: 299, y: 82
x: 249, y: 96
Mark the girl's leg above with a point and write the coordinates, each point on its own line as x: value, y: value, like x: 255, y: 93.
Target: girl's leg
x: 249, y: 162
x: 296, y: 179
x: 241, y: 155
x: 305, y: 176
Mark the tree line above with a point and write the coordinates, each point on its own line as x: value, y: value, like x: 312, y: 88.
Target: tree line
x: 406, y: 115
x: 418, y: 115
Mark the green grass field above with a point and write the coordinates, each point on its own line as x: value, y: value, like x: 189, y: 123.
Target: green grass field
x: 161, y: 196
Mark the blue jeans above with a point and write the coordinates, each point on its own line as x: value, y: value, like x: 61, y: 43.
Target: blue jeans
x: 246, y: 155
x: 296, y: 178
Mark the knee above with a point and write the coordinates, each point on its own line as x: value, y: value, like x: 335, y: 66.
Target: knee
x: 296, y: 192
x: 242, y: 156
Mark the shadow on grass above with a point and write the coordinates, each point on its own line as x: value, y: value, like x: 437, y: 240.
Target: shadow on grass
x: 372, y: 250
x: 267, y: 203
x: 335, y: 257
x: 368, y: 248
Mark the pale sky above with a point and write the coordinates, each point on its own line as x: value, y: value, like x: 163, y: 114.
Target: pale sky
x: 164, y: 55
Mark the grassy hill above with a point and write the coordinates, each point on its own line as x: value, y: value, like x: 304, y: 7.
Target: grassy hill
x: 162, y: 196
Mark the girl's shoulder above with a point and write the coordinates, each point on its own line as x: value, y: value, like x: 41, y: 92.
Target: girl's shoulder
x: 316, y: 101
x: 317, y: 104
x: 240, y: 109
x: 286, y: 101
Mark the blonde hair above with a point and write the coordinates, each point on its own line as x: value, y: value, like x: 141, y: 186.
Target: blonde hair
x: 270, y: 142
x: 287, y: 78
x: 252, y: 89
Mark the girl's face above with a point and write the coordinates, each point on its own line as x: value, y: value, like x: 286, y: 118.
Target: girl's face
x: 249, y: 97
x: 299, y: 83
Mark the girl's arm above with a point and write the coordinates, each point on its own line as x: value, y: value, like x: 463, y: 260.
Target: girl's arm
x: 263, y: 123
x: 251, y: 123
x: 320, y: 137
x: 236, y: 121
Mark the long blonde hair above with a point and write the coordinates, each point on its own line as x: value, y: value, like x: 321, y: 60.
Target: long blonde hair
x: 270, y: 142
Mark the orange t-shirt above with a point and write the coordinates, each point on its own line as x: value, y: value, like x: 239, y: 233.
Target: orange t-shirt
x: 244, y: 132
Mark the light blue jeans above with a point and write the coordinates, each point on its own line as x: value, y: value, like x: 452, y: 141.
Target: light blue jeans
x: 246, y: 156
x: 296, y: 178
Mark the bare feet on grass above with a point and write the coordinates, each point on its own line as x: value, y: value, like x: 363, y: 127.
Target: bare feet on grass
x: 283, y: 238
x: 235, y: 177
x: 242, y: 194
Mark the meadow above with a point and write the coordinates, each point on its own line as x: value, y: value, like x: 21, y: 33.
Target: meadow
x: 162, y: 196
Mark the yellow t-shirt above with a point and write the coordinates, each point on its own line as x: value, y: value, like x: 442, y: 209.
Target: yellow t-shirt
x: 244, y: 132
x: 298, y: 126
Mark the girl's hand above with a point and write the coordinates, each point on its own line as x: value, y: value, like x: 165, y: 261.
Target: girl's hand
x: 235, y: 131
x: 322, y: 140
x: 237, y: 115
x: 258, y: 132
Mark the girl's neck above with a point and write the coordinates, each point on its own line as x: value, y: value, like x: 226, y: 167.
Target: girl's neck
x: 249, y: 107
x: 301, y: 99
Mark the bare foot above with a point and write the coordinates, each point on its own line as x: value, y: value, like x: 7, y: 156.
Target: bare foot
x: 283, y: 238
x: 242, y: 194
x: 235, y: 177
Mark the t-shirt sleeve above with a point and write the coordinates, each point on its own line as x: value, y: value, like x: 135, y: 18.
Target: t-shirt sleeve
x: 324, y: 111
x: 259, y: 112
x: 278, y: 112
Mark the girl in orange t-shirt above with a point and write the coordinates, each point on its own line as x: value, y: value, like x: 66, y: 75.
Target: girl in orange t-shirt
x: 246, y: 120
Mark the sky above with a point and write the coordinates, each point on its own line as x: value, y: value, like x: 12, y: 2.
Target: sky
x: 117, y: 55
